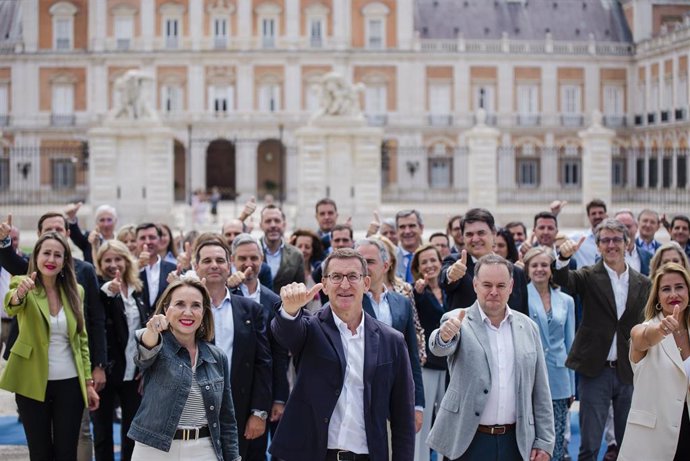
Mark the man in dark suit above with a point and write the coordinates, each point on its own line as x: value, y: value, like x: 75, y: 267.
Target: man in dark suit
x: 393, y: 309
x: 341, y: 237
x: 326, y: 216
x: 478, y: 231
x: 613, y: 298
x: 353, y: 374
x: 635, y: 256
x: 154, y: 271
x: 240, y: 329
x: 285, y: 260
x: 247, y: 258
x: 94, y: 314
x: 232, y: 229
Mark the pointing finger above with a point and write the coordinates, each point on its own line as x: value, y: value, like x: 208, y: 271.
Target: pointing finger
x: 677, y: 314
x: 179, y: 269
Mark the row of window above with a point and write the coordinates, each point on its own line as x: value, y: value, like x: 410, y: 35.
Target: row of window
x: 63, y: 174
x: 659, y: 100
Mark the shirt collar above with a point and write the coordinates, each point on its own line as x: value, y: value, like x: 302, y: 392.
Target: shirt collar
x: 245, y: 289
x: 268, y: 251
x: 342, y: 326
x: 222, y: 303
x: 383, y: 294
x: 157, y: 263
x: 614, y: 275
x: 508, y: 316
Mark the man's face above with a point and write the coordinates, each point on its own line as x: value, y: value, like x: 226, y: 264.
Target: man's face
x: 326, y: 216
x: 273, y: 225
x: 441, y: 244
x: 248, y: 255
x: 493, y: 286
x: 518, y: 234
x: 612, y: 246
x: 649, y: 225
x: 409, y: 232
x: 390, y: 233
x: 596, y: 215
x: 230, y: 231
x: 630, y: 224
x: 456, y: 233
x: 14, y: 235
x: 105, y: 222
x: 680, y: 232
x: 148, y: 240
x: 213, y: 265
x: 546, y: 230
x: 54, y: 224
x: 341, y: 239
x: 478, y: 238
x: 346, y: 297
x: 376, y: 268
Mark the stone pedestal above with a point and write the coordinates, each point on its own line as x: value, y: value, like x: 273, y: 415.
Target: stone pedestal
x: 339, y: 157
x: 482, y: 164
x: 596, y: 161
x: 131, y: 168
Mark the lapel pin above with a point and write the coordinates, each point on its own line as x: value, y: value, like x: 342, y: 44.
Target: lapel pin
x: 247, y: 322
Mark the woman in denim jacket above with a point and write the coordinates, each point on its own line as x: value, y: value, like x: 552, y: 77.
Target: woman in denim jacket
x: 186, y: 411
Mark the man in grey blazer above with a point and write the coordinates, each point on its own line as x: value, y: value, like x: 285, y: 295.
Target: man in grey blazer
x: 285, y: 261
x: 498, y: 403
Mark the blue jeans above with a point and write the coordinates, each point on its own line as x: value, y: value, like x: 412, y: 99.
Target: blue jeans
x: 596, y: 394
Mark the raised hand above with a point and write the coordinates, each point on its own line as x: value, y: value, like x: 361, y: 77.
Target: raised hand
x: 374, y: 225
x: 420, y: 285
x: 296, y: 295
x: 174, y: 275
x: 25, y: 286
x: 248, y: 209
x: 94, y: 237
x: 6, y: 227
x: 458, y: 269
x: 672, y: 322
x: 239, y: 277
x: 156, y: 324
x: 184, y: 258
x: 72, y: 209
x: 451, y: 327
x: 557, y: 205
x: 115, y: 285
x: 569, y: 248
x: 144, y: 258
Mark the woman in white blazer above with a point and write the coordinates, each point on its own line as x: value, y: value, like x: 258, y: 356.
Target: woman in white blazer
x: 658, y: 427
x: 554, y: 313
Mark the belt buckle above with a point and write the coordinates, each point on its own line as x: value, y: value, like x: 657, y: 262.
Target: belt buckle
x: 499, y: 430
x: 612, y: 364
x: 337, y: 455
x: 187, y: 434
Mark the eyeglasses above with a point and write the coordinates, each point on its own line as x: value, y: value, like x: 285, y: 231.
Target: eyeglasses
x: 338, y: 278
x: 607, y: 240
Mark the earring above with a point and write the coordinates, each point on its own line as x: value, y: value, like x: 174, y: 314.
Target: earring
x: 658, y: 307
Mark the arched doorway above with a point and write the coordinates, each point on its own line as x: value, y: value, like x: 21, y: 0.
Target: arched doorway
x: 180, y: 171
x: 220, y: 168
x: 270, y: 168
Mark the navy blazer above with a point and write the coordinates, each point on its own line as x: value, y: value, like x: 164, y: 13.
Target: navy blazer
x: 388, y: 388
x: 430, y: 312
x: 166, y: 268
x: 645, y: 259
x: 461, y: 292
x: 403, y: 321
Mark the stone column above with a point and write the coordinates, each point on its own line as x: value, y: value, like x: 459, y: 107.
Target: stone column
x: 29, y: 20
x: 196, y: 20
x: 596, y: 161
x: 482, y: 164
x: 245, y: 169
x: 148, y: 24
x: 97, y: 24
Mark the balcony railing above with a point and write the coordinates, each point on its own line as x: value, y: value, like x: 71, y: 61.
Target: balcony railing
x: 528, y: 120
x: 62, y: 119
x: 172, y: 42
x: 614, y: 121
x: 440, y: 120
x: 572, y: 120
x: 377, y: 119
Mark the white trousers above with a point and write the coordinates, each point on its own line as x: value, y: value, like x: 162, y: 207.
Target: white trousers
x: 197, y: 450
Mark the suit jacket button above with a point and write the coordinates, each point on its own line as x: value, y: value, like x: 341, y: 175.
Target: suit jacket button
x: 476, y: 413
x: 486, y: 391
x: 325, y: 420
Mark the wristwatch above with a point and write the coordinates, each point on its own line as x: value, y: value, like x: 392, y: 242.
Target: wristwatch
x: 260, y: 414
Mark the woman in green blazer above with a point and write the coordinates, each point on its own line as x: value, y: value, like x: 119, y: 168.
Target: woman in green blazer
x: 49, y: 368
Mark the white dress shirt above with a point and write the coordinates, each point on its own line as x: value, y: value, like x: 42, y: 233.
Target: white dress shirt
x: 153, y: 275
x: 632, y: 258
x: 619, y: 284
x: 224, y: 325
x: 587, y: 254
x: 382, y: 309
x: 256, y: 296
x: 500, y: 406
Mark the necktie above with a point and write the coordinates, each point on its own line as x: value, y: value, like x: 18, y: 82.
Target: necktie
x: 408, y: 270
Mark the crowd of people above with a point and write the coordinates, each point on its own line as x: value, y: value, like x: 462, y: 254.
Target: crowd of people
x: 472, y: 344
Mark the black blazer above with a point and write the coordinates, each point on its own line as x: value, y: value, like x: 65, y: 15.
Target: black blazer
x: 81, y: 240
x: 94, y: 315
x: 270, y: 302
x: 117, y: 331
x: 461, y: 293
x: 166, y: 268
x: 600, y: 320
x: 430, y: 312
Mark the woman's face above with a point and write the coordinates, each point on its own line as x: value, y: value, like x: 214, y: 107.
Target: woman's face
x: 500, y: 246
x: 106, y: 223
x: 673, y: 292
x: 185, y: 311
x: 111, y: 262
x: 51, y: 258
x: 429, y: 264
x: 164, y: 240
x: 539, y: 269
x: 131, y: 242
x: 304, y: 244
x: 670, y: 256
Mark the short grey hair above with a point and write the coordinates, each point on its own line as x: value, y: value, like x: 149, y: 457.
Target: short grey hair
x: 244, y: 239
x: 106, y: 209
x: 612, y: 225
x: 390, y: 222
x: 493, y: 260
x: 383, y: 251
x: 406, y: 213
x: 344, y: 253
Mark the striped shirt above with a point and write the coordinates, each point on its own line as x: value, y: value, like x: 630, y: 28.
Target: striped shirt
x: 193, y: 413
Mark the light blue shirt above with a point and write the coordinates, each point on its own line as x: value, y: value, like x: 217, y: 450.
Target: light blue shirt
x: 224, y: 325
x: 273, y: 259
x: 382, y: 309
x: 588, y: 252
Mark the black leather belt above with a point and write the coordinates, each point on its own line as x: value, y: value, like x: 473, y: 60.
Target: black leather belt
x: 498, y: 429
x: 344, y: 455
x: 611, y: 363
x: 192, y: 434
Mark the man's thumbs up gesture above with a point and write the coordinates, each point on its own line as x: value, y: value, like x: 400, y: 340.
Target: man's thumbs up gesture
x: 296, y: 295
x: 569, y: 248
x: 458, y: 269
x: 451, y: 327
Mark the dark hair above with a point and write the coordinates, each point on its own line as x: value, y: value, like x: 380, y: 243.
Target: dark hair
x: 513, y: 255
x: 206, y: 331
x: 209, y: 239
x: 452, y: 219
x: 344, y: 253
x: 680, y: 217
x: 316, y: 246
x: 50, y: 214
x: 406, y: 213
x: 325, y: 201
x: 440, y: 234
x: 171, y: 243
x: 340, y: 227
x: 545, y: 215
x: 415, y: 259
x: 512, y: 224
x: 478, y: 215
x: 493, y: 260
x: 272, y: 206
x: 66, y: 281
x: 147, y: 225
x: 596, y: 203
